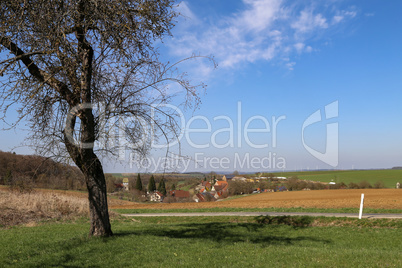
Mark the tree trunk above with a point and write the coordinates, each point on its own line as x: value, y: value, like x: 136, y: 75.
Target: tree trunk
x: 98, y: 207
x: 86, y: 160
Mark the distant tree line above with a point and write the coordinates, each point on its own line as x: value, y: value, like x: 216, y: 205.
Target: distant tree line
x: 294, y: 184
x: 28, y: 171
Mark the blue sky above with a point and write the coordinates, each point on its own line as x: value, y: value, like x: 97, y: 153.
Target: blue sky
x: 282, y: 61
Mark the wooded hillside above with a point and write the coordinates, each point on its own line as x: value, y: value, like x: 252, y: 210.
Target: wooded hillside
x: 27, y: 171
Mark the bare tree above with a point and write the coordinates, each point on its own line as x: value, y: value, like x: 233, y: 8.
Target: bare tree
x: 72, y: 67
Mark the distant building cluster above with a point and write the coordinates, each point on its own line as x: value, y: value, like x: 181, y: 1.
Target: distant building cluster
x: 211, y: 189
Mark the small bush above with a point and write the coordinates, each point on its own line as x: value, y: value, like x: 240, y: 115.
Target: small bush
x: 240, y: 187
x: 342, y: 185
x: 292, y: 184
x: 136, y: 196
x: 379, y: 185
x: 316, y: 186
x: 295, y: 221
x: 353, y: 185
x: 365, y: 185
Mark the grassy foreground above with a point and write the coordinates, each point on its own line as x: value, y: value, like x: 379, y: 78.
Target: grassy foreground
x: 205, y: 242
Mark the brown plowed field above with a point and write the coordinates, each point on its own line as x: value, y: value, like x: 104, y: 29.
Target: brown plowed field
x: 374, y: 198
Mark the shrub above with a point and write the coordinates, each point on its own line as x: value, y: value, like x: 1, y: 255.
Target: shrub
x: 379, y: 185
x: 302, y: 185
x: 137, y: 196
x: 292, y: 184
x: 240, y: 187
x: 315, y: 186
x: 353, y: 185
x: 342, y: 185
x: 337, y: 186
x: 110, y: 183
x: 295, y: 221
x: 365, y: 185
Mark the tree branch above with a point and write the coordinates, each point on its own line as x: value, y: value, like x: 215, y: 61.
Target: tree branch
x: 36, y: 72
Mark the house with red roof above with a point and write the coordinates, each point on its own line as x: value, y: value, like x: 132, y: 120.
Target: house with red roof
x: 220, y: 187
x: 156, y: 196
x: 207, y: 185
x: 204, y: 197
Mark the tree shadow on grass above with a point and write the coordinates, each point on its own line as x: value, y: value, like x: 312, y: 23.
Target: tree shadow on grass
x: 228, y: 233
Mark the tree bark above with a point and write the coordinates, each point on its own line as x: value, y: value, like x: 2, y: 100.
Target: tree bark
x: 87, y: 161
x: 98, y: 207
x: 92, y: 169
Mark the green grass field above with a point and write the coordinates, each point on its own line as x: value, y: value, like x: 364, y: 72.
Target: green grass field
x: 389, y: 176
x: 204, y: 242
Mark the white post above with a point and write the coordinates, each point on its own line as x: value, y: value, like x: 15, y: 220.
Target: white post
x: 361, y: 207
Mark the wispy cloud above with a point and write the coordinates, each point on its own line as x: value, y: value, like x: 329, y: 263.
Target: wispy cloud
x: 265, y: 30
x: 308, y: 21
x: 343, y: 15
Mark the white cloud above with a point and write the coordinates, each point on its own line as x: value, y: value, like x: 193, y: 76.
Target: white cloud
x: 351, y: 14
x: 344, y: 14
x: 259, y: 15
x: 337, y: 19
x: 290, y: 65
x: 308, y: 21
x: 299, y: 47
x: 243, y: 37
x: 265, y: 30
x: 302, y: 48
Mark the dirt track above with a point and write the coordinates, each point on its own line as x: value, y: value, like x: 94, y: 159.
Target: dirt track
x: 374, y: 198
